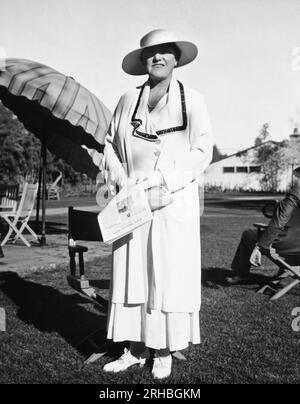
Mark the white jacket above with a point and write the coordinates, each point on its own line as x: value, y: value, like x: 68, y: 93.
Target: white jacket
x: 175, y: 233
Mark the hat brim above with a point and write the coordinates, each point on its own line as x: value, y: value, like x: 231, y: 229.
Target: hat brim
x: 132, y: 63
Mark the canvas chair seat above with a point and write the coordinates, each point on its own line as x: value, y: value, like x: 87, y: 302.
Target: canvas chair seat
x: 83, y: 226
x: 17, y: 219
x: 288, y: 275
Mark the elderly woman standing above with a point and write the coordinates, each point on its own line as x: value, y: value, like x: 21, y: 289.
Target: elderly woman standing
x: 160, y: 133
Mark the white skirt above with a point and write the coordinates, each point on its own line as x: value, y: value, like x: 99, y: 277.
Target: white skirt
x: 157, y: 329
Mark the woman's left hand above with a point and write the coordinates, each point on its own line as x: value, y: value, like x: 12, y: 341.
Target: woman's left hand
x: 154, y: 179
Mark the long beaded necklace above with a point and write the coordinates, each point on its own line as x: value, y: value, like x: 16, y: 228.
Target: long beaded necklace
x: 136, y: 123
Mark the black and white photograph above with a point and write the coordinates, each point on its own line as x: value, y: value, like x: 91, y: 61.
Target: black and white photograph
x: 195, y: 103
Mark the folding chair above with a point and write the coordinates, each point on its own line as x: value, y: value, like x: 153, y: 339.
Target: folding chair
x: 8, y: 202
x: 9, y: 197
x: 18, y: 219
x: 289, y: 264
x: 53, y: 189
x: 83, y: 225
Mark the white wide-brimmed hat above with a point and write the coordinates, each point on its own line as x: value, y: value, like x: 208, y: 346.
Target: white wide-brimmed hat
x: 132, y: 63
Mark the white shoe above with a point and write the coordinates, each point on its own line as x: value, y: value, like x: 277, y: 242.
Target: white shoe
x: 162, y: 366
x: 125, y: 361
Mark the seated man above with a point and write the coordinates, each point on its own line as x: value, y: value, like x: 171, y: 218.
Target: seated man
x: 282, y: 233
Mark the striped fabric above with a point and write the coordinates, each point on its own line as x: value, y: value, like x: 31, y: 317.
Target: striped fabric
x: 65, y: 98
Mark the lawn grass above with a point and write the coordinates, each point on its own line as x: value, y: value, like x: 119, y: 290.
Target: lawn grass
x: 245, y: 337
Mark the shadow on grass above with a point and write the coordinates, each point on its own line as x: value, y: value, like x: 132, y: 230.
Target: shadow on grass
x: 50, y: 227
x: 212, y: 277
x: 49, y: 310
x: 245, y: 204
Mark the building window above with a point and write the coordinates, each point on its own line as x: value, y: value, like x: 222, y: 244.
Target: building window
x: 242, y: 169
x: 228, y: 169
x: 255, y: 169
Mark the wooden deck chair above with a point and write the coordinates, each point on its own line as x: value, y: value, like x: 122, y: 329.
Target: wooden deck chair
x: 9, y: 197
x: 289, y: 265
x: 18, y: 219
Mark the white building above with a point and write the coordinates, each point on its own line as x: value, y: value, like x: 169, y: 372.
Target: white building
x: 240, y: 171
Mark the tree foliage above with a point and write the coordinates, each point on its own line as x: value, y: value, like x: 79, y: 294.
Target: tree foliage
x: 20, y: 154
x: 263, y: 135
x: 289, y: 156
x: 217, y: 155
x: 268, y: 157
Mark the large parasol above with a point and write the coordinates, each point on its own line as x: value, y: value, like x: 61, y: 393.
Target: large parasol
x: 69, y: 120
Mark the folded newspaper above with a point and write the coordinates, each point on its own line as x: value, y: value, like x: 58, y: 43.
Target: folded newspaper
x: 128, y: 210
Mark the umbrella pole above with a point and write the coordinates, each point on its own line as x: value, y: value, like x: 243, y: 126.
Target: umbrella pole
x: 44, y: 165
x: 38, y: 203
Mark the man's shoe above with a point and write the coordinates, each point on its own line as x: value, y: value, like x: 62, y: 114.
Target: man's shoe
x: 237, y: 280
x: 125, y: 361
x: 162, y: 367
